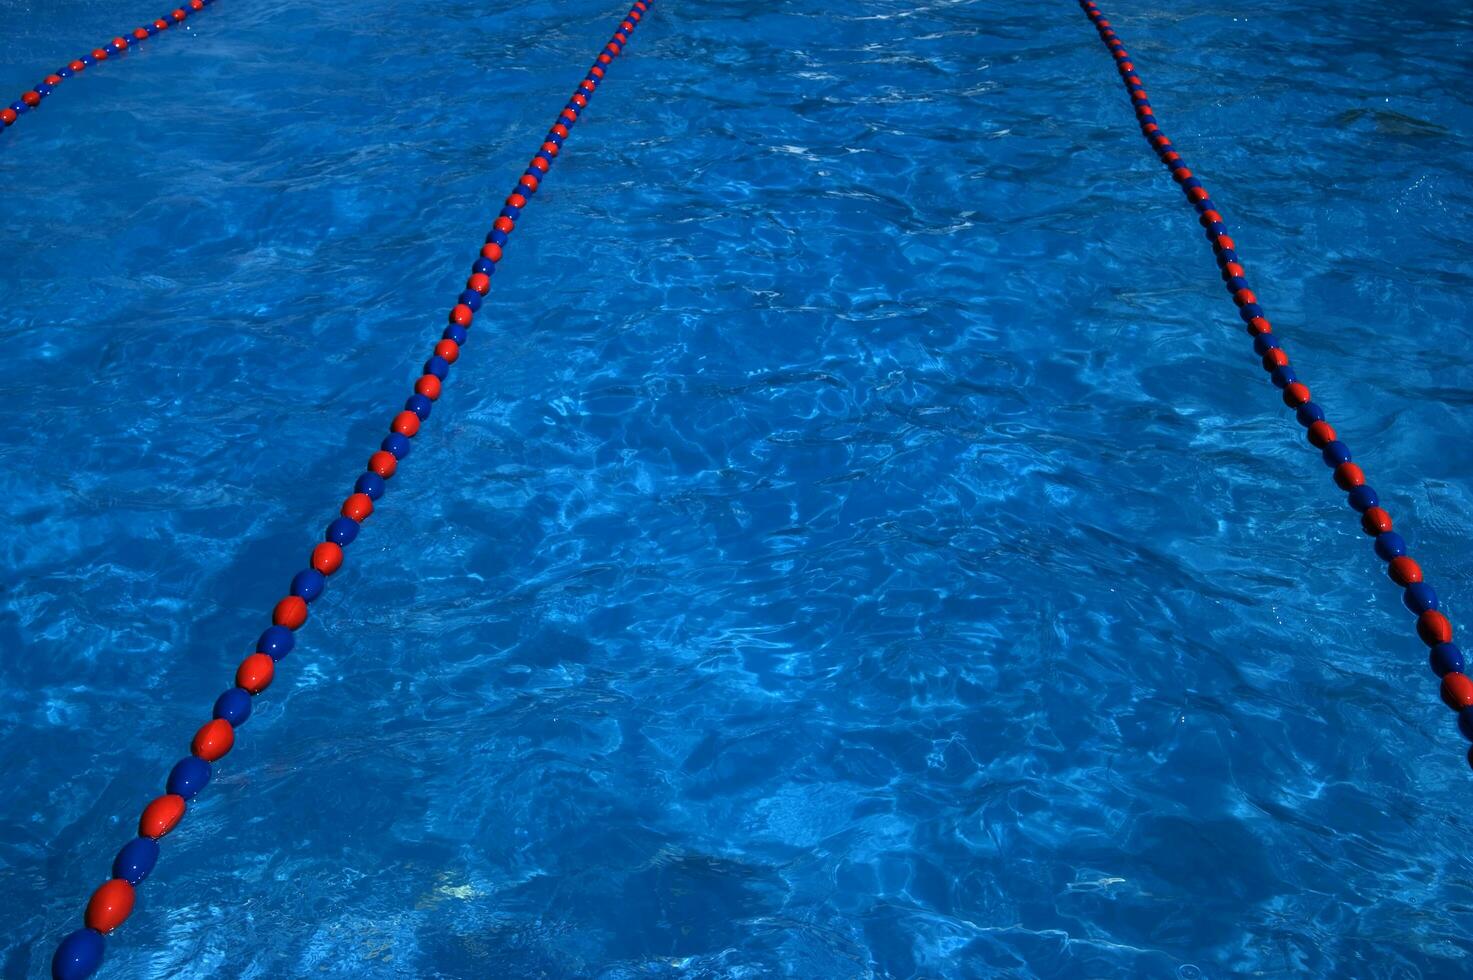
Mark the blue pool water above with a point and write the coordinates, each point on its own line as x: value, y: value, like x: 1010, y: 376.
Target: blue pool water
x: 857, y: 541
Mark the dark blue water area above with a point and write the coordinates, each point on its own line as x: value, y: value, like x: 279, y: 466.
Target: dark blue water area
x: 857, y: 541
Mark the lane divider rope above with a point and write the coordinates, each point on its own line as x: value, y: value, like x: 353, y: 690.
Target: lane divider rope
x: 1433, y: 627
x: 80, y: 953
x: 32, y: 98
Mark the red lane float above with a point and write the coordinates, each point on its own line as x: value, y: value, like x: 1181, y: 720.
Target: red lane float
x: 33, y: 97
x: 1433, y: 628
x: 161, y: 816
x: 110, y: 905
x: 80, y: 953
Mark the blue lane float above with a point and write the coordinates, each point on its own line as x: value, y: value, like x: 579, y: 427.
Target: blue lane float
x: 80, y: 953
x: 1432, y: 625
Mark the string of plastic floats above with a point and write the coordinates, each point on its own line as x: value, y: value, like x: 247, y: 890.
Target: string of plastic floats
x: 80, y: 953
x: 32, y: 98
x: 1432, y: 626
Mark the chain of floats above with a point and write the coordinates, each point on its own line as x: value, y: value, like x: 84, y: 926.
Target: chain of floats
x: 32, y: 99
x: 80, y: 953
x: 1433, y: 627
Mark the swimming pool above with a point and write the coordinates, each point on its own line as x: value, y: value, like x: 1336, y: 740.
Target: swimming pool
x: 855, y: 543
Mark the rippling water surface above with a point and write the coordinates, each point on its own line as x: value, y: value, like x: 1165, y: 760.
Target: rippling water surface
x: 857, y: 542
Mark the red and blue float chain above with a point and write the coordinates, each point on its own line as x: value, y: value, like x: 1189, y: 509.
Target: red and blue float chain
x: 32, y: 99
x: 80, y: 953
x: 1433, y: 627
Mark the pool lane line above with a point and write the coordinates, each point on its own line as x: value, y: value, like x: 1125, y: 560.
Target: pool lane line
x: 80, y: 953
x: 1433, y: 628
x: 32, y: 98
